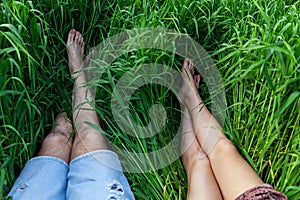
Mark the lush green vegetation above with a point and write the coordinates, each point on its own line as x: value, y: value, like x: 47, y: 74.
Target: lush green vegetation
x: 255, y: 44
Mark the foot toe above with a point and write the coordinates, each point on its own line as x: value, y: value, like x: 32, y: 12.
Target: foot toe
x: 81, y: 40
x: 190, y: 66
x: 71, y: 36
x: 186, y: 63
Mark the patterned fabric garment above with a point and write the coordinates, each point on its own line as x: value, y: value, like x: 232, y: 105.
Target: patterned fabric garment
x: 262, y: 192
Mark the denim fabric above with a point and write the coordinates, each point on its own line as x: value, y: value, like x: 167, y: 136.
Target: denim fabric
x: 43, y: 177
x: 95, y: 175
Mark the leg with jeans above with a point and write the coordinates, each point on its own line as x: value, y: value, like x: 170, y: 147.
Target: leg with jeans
x: 45, y: 176
x: 95, y: 172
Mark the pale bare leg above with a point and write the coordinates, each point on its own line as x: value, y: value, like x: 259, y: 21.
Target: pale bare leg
x: 201, y: 181
x: 233, y: 174
x: 58, y: 142
x: 87, y: 139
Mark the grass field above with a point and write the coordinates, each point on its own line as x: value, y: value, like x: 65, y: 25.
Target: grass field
x: 255, y: 45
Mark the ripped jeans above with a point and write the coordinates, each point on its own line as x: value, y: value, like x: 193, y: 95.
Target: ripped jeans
x: 95, y: 175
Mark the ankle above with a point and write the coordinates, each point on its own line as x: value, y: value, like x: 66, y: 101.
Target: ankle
x: 79, y: 76
x: 195, y: 163
x: 193, y: 102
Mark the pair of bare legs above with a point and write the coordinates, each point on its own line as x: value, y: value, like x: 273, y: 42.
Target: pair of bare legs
x: 58, y: 142
x: 214, y: 168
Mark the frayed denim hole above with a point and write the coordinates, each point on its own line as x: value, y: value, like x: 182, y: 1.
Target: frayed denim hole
x: 22, y: 186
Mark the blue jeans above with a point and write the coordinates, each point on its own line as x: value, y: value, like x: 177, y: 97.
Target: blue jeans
x: 95, y: 175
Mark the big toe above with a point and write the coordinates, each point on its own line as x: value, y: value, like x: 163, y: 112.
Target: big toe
x: 185, y: 64
x: 71, y: 36
x: 186, y: 69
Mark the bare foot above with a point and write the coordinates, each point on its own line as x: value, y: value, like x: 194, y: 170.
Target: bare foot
x: 189, y: 142
x: 75, y: 50
x: 190, y: 83
x: 58, y: 142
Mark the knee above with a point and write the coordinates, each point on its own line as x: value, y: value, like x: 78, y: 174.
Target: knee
x: 224, y: 147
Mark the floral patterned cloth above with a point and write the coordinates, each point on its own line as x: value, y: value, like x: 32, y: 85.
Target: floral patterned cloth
x: 262, y: 192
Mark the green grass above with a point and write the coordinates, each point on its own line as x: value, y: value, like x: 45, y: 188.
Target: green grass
x: 255, y: 44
